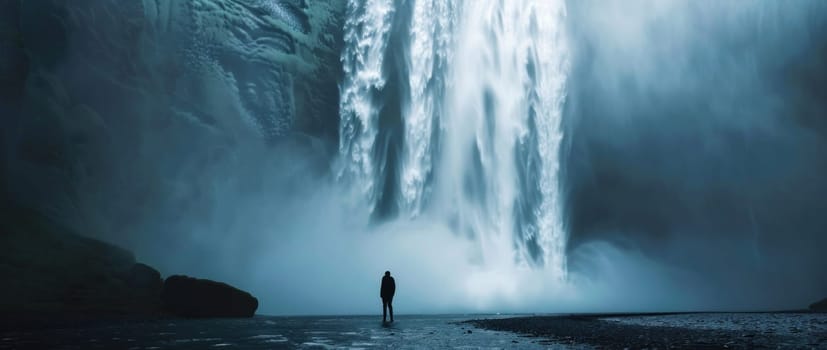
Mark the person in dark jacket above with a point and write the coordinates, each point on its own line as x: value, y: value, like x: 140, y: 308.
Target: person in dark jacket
x: 386, y: 293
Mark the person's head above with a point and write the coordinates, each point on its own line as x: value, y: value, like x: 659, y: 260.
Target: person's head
x: 387, y: 273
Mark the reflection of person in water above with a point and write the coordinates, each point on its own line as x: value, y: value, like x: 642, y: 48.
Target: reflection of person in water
x: 386, y: 292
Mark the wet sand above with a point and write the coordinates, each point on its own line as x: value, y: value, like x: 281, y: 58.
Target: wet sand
x: 672, y: 331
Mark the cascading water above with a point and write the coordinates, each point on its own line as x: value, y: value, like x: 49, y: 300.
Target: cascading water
x: 480, y: 86
x: 366, y: 33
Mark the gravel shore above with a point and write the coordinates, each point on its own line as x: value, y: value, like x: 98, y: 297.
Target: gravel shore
x: 673, y: 331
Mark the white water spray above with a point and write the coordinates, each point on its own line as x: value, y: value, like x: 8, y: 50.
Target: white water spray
x: 366, y: 33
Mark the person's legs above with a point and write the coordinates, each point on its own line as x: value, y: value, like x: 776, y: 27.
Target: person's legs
x: 385, y: 310
x: 390, y: 307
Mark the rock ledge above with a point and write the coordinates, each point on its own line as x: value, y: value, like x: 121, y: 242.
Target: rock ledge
x: 819, y: 306
x: 192, y: 297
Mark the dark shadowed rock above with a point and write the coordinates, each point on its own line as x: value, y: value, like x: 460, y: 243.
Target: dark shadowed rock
x: 144, y: 277
x: 47, y: 272
x: 820, y: 306
x: 192, y: 297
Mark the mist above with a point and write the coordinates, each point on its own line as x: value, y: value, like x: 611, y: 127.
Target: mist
x: 692, y: 151
x: 696, y: 137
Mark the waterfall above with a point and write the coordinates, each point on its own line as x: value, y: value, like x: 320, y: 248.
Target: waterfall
x: 366, y: 33
x: 481, y: 93
x: 430, y: 36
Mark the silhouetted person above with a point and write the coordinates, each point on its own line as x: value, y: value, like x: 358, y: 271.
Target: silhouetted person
x: 386, y: 293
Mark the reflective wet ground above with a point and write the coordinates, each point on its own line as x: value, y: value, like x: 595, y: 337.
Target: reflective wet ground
x: 690, y: 331
x: 352, y: 332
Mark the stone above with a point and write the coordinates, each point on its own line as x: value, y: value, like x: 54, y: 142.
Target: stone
x: 141, y: 276
x: 820, y: 306
x: 197, y: 298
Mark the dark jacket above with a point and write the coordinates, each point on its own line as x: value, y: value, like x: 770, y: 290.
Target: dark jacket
x: 388, y: 287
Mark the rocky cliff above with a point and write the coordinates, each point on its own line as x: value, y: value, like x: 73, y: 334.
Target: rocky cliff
x: 48, y: 271
x: 113, y: 111
x: 51, y: 275
x: 122, y: 118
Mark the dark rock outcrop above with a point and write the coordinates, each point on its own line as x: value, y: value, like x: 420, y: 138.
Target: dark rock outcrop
x: 52, y: 276
x: 13, y: 62
x: 14, y: 67
x: 192, y: 297
x: 819, y: 306
x: 47, y: 272
x: 144, y: 277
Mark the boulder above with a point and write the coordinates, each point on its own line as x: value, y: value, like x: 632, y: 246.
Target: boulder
x: 192, y: 297
x: 820, y: 306
x: 144, y: 277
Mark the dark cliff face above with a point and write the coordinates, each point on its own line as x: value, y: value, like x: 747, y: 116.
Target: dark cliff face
x: 120, y: 120
x: 49, y: 272
x: 13, y: 71
x: 13, y: 61
x: 118, y: 109
x: 53, y: 276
